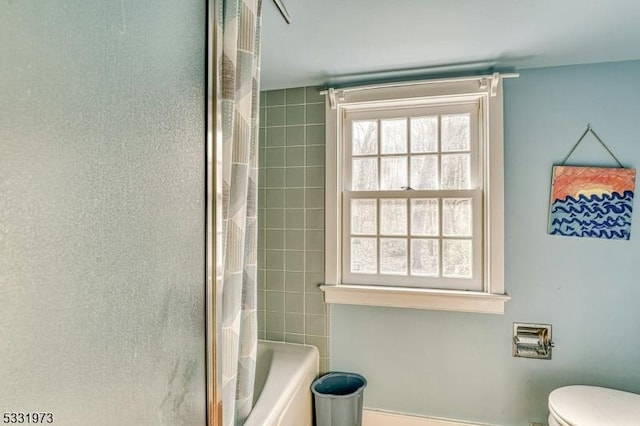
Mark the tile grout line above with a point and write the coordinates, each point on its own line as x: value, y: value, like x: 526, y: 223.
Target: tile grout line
x: 304, y: 218
x: 284, y: 243
x: 264, y: 236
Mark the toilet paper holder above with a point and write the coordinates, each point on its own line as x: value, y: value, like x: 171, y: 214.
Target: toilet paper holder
x: 532, y: 340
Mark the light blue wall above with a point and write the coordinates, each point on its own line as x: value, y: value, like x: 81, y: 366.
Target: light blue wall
x: 458, y: 365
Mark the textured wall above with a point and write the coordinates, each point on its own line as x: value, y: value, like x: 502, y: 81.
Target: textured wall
x: 102, y: 211
x: 291, y: 221
x: 459, y: 365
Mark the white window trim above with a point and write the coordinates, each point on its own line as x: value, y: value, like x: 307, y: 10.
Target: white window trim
x: 489, y: 90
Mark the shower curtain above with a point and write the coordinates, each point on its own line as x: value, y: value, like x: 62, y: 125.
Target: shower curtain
x: 240, y: 98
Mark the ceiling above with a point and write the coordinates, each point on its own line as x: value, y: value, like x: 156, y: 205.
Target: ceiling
x: 337, y: 41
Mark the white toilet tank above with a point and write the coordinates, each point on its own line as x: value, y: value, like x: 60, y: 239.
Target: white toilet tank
x: 593, y: 406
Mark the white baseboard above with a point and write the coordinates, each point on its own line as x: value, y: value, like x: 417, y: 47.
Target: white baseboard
x: 387, y: 418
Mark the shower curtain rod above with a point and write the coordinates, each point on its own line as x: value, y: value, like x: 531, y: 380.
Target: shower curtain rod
x: 283, y: 11
x: 356, y: 87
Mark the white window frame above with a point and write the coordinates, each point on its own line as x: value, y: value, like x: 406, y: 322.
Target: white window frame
x: 375, y: 113
x: 486, y: 91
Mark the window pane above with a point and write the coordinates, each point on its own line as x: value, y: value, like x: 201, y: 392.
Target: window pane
x: 363, y: 217
x: 425, y: 256
x: 393, y: 256
x: 364, y: 255
x: 394, y: 136
x: 393, y: 217
x: 456, y: 220
x: 424, y: 217
x: 456, y: 171
x: 424, y: 172
x: 394, y: 173
x: 456, y: 258
x: 364, y: 174
x: 365, y: 137
x: 455, y: 132
x: 424, y: 134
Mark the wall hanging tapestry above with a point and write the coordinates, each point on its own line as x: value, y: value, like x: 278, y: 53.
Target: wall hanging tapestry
x: 592, y: 201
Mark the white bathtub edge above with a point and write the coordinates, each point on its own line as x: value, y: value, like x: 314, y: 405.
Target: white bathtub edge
x: 293, y: 367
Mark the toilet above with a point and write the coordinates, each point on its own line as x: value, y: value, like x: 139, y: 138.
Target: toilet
x: 593, y: 406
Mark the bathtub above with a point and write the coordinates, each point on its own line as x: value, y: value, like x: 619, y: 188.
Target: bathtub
x: 282, y: 395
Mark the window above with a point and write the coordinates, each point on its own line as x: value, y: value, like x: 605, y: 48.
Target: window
x: 414, y: 195
x: 411, y: 178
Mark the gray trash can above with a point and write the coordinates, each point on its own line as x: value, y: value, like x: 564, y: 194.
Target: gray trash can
x: 338, y: 399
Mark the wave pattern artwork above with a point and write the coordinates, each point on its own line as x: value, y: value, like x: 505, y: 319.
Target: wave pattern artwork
x: 592, y: 202
x: 608, y: 216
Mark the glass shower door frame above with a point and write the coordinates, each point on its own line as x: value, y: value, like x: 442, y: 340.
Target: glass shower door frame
x: 213, y: 216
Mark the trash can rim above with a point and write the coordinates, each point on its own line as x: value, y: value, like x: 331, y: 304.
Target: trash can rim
x: 320, y: 379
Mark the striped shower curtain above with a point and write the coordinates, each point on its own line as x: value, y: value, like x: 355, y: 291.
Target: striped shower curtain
x: 240, y: 91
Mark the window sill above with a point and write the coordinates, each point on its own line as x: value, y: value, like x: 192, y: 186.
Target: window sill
x: 416, y: 298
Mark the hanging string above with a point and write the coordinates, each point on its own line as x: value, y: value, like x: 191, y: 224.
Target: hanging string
x: 589, y: 129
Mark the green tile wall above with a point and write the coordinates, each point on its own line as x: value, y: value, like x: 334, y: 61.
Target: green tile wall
x: 291, y: 308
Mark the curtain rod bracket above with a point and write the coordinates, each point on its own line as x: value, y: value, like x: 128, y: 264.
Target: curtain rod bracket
x: 495, y: 80
x: 332, y: 97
